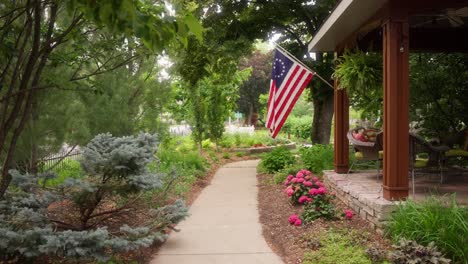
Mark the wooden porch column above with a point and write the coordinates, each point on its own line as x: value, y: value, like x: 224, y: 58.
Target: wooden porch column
x: 341, y: 108
x: 396, y: 108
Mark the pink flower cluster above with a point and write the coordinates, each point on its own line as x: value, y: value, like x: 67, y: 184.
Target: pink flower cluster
x: 295, y: 220
x: 348, y: 214
x: 303, y: 187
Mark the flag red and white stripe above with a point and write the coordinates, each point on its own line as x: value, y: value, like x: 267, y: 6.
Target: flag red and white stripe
x: 288, y: 80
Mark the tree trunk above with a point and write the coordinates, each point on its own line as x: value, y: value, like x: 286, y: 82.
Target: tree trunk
x: 322, y: 121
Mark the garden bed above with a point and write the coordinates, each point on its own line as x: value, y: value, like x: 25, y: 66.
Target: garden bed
x: 291, y: 242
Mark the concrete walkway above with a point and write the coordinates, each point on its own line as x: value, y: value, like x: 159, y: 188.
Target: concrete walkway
x: 223, y: 226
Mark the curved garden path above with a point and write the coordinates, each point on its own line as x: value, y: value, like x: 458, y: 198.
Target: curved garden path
x: 223, y: 226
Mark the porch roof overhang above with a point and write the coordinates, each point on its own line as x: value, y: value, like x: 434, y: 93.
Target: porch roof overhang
x: 431, y: 24
x: 347, y: 17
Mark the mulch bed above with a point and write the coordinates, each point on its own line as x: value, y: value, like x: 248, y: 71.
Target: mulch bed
x: 290, y: 242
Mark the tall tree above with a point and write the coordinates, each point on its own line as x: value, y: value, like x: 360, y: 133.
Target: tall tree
x: 297, y: 21
x: 258, y: 83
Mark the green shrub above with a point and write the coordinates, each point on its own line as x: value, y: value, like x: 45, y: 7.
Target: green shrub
x: 226, y: 155
x: 337, y: 248
x: 317, y: 158
x: 320, y: 206
x: 408, y: 251
x: 291, y: 169
x: 227, y: 142
x: 207, y: 144
x: 433, y: 220
x: 240, y: 154
x: 71, y: 221
x: 299, y: 127
x: 238, y: 140
x: 276, y: 160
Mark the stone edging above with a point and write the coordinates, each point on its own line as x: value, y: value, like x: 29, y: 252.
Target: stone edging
x: 253, y: 150
x: 370, y: 206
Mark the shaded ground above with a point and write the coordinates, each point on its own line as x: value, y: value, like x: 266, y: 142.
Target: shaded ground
x: 292, y: 242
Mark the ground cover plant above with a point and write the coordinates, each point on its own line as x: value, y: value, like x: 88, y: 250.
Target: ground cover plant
x: 337, y: 247
x: 407, y: 251
x: 438, y: 220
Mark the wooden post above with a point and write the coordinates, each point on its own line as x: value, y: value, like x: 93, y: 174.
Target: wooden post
x: 341, y: 144
x: 396, y: 107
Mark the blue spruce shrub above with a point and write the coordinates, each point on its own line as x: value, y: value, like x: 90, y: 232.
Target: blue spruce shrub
x: 71, y: 220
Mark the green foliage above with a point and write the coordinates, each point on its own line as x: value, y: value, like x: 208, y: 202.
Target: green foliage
x: 207, y: 144
x: 376, y: 255
x: 69, y: 169
x: 361, y: 75
x: 299, y: 127
x: 240, y: 154
x: 148, y: 21
x: 258, y: 83
x: 438, y: 100
x: 433, y: 220
x: 277, y: 159
x: 291, y: 169
x: 226, y: 155
x: 317, y: 158
x: 407, y: 251
x: 260, y: 137
x: 337, y: 248
x: 320, y: 206
x: 71, y: 221
x: 186, y: 163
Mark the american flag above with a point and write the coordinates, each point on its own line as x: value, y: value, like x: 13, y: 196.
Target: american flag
x: 288, y: 80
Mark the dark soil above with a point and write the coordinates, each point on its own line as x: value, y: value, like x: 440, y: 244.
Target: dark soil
x: 291, y: 242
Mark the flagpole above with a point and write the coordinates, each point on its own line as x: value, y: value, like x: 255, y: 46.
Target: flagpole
x: 292, y: 57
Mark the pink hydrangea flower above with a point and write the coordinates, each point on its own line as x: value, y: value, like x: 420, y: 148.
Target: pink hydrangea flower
x: 293, y: 218
x: 307, y: 177
x: 315, y: 179
x: 294, y: 180
x: 308, y: 184
x: 290, y: 177
x: 313, y: 191
x: 320, y: 184
x: 321, y: 190
x: 289, y: 191
x: 303, y: 199
x: 348, y: 214
x: 300, y: 180
x: 286, y: 182
x: 298, y: 222
x: 308, y: 173
x: 299, y: 175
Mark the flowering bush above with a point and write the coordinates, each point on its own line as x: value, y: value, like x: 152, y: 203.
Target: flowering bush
x: 320, y: 206
x: 306, y: 189
x: 303, y: 186
x: 348, y: 214
x: 295, y: 220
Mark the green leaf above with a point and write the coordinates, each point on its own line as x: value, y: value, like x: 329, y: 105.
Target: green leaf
x: 194, y: 26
